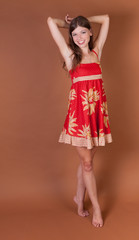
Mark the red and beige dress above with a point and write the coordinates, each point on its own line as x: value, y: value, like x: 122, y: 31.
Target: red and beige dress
x: 87, y: 121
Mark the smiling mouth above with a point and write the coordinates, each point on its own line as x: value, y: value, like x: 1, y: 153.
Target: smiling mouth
x: 81, y: 42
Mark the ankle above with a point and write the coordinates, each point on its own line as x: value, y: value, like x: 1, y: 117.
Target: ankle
x: 96, y: 207
x: 79, y: 199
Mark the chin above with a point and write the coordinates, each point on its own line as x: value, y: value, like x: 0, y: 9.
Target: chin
x: 81, y: 46
x: 84, y: 46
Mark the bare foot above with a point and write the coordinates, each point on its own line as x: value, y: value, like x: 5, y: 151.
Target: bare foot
x: 81, y: 211
x: 97, y: 220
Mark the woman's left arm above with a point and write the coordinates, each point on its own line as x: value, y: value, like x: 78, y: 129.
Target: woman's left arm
x: 104, y: 21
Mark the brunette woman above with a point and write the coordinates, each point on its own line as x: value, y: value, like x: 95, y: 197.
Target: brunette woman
x: 87, y: 122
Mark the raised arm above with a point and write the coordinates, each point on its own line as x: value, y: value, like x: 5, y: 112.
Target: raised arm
x: 54, y: 25
x: 104, y: 21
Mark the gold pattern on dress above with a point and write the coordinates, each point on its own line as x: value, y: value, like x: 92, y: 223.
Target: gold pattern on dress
x: 106, y: 119
x: 103, y: 90
x: 72, y: 123
x: 101, y: 133
x: 72, y: 96
x: 86, y: 132
x: 104, y: 109
x: 90, y: 98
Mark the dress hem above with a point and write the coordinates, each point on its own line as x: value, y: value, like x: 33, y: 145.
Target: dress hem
x: 85, y: 142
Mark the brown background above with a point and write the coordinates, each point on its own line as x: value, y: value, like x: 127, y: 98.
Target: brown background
x: 38, y: 174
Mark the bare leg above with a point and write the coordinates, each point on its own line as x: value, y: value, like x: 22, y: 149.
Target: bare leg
x: 79, y: 198
x: 89, y: 179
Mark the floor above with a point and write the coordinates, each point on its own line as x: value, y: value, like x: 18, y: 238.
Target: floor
x: 62, y: 222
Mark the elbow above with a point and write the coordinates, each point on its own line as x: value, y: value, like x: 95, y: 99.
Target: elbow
x: 107, y: 16
x: 49, y: 19
x: 107, y: 19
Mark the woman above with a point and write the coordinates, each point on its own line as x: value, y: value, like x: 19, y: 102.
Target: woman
x: 87, y: 123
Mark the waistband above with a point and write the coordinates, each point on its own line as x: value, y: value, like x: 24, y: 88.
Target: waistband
x: 90, y: 77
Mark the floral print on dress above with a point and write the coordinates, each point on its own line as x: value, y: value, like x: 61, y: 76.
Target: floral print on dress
x: 103, y: 90
x: 101, y: 133
x: 86, y: 123
x: 90, y: 98
x: 106, y: 120
x: 86, y: 132
x: 72, y: 123
x: 72, y: 96
x: 104, y: 110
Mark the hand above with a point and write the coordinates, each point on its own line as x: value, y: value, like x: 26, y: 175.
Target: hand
x: 68, y: 19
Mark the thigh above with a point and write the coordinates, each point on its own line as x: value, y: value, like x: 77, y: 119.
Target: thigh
x: 85, y: 153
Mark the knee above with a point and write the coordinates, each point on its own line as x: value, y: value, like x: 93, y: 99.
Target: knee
x: 87, y: 166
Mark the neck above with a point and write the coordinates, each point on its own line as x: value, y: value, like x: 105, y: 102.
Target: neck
x: 85, y: 51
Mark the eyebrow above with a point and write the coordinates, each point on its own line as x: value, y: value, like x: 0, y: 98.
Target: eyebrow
x: 80, y: 31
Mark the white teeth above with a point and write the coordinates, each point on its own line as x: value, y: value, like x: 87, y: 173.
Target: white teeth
x: 81, y: 42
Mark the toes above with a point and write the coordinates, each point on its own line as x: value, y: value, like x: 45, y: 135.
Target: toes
x: 82, y: 214
x: 86, y: 213
x: 97, y: 224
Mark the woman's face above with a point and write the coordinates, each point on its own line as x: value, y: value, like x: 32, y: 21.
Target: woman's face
x: 81, y: 36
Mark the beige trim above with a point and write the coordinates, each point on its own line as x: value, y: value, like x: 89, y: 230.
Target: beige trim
x: 85, y: 142
x: 91, y: 77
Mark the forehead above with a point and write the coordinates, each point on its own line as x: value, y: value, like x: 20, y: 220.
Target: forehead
x: 79, y: 28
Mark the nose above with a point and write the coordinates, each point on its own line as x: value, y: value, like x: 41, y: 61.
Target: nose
x: 79, y: 37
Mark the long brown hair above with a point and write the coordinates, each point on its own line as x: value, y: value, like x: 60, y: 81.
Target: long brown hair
x: 82, y: 22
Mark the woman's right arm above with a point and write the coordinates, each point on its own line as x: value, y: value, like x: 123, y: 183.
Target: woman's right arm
x: 53, y: 24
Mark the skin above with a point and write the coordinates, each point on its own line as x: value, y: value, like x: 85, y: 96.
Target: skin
x: 81, y: 37
x: 85, y: 174
x: 86, y: 181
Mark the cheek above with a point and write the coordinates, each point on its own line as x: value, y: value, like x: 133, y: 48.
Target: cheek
x: 88, y: 36
x: 74, y: 39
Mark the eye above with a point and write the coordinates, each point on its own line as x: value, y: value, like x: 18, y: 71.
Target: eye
x: 73, y: 34
x: 83, y: 32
